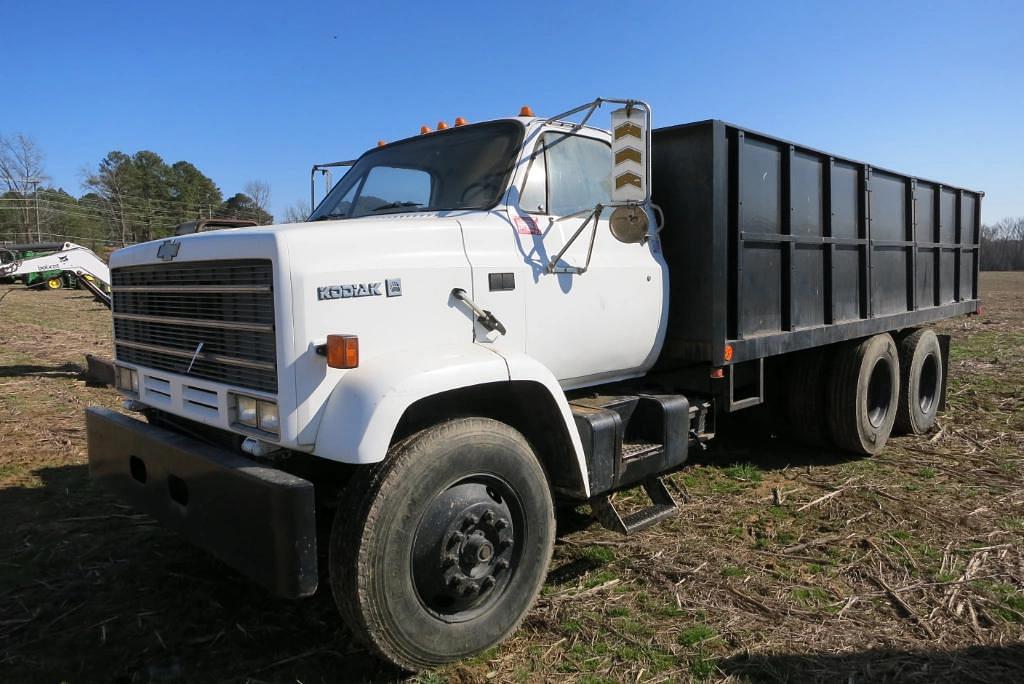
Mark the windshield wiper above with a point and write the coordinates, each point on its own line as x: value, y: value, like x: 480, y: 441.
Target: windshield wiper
x: 396, y: 205
x: 328, y: 217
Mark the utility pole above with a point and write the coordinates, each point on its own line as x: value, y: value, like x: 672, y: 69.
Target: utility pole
x: 35, y: 193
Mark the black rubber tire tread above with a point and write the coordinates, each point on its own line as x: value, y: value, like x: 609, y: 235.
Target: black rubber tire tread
x: 354, y: 554
x: 805, y: 399
x: 847, y: 391
x: 920, y: 341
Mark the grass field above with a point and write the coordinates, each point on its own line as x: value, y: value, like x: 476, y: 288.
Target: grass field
x: 784, y: 565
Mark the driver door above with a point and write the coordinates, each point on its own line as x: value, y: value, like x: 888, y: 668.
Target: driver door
x: 608, y: 322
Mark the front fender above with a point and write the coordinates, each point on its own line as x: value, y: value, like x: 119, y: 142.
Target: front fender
x: 365, y: 406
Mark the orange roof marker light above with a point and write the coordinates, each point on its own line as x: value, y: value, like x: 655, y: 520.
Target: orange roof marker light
x: 526, y: 110
x: 459, y: 121
x: 441, y: 125
x: 425, y: 129
x: 381, y: 143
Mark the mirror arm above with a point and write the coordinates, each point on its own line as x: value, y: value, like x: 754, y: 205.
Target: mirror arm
x: 595, y: 215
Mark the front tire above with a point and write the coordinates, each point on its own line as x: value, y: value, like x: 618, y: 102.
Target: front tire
x: 438, y: 552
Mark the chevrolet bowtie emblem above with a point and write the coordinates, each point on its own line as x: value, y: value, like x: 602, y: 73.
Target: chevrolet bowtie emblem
x: 168, y: 250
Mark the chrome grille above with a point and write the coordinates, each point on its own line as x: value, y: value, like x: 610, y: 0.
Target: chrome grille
x: 163, y: 312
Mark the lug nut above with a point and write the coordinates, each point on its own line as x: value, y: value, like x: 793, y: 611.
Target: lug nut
x: 488, y: 516
x: 470, y: 588
x: 504, y: 544
x: 501, y: 523
x: 449, y: 561
x: 487, y: 583
x: 456, y: 538
x: 500, y: 564
x: 470, y: 520
x: 454, y: 581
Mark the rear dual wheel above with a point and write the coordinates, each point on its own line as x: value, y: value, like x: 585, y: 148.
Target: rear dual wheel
x: 438, y: 552
x: 920, y: 382
x: 863, y: 394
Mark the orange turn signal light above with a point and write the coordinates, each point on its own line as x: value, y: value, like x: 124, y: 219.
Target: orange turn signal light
x: 441, y: 125
x: 459, y: 121
x: 342, y: 351
x: 526, y: 110
x: 727, y: 354
x: 425, y: 129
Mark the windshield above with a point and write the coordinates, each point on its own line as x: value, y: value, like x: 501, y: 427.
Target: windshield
x: 461, y: 168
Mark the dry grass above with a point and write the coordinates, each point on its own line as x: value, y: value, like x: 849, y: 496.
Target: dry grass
x: 785, y: 564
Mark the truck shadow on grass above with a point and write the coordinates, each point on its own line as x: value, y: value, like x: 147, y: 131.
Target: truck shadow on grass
x: 64, y: 370
x: 970, y: 664
x: 91, y: 591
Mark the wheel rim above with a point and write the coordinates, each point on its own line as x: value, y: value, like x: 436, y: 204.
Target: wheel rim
x: 879, y: 393
x: 53, y: 284
x: 928, y: 384
x: 467, y: 547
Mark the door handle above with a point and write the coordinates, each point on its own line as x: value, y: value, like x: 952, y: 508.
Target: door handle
x: 483, y: 317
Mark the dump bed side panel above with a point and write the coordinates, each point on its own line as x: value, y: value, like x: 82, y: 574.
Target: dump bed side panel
x: 776, y: 247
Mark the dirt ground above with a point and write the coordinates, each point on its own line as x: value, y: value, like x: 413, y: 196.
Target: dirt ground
x: 785, y: 564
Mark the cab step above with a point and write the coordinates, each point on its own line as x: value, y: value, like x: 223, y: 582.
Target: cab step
x: 662, y: 507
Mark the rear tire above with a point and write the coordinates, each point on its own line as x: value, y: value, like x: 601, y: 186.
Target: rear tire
x: 438, y: 552
x: 863, y: 394
x: 806, y: 398
x: 54, y: 284
x: 920, y: 382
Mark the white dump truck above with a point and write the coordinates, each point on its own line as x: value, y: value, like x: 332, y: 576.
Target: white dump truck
x: 484, y: 320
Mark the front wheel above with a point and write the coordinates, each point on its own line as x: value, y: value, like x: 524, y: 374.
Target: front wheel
x: 438, y: 552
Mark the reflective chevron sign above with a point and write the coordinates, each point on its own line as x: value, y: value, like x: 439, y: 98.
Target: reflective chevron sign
x: 629, y: 142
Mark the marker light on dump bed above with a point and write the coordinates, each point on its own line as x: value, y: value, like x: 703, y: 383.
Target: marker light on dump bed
x: 425, y: 129
x: 442, y: 125
x: 459, y: 121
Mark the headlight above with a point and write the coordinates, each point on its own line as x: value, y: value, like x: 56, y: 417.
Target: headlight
x: 246, y: 407
x: 257, y: 413
x: 127, y: 379
x: 269, y: 419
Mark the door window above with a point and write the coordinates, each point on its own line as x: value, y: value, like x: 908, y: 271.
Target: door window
x: 573, y: 172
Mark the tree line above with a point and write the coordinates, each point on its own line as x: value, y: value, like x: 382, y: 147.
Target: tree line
x: 127, y: 198
x: 1002, y: 245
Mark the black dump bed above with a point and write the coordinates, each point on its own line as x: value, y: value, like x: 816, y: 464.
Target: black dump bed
x: 774, y: 247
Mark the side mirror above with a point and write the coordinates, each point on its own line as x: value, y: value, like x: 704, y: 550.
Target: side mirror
x: 629, y: 224
x: 631, y: 154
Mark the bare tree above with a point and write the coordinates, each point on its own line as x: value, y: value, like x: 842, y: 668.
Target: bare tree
x: 22, y: 171
x: 297, y: 213
x: 259, y: 192
x: 1002, y: 245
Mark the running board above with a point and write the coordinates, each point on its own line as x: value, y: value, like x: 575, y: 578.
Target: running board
x: 662, y: 507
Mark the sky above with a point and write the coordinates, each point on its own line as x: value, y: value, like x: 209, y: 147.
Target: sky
x: 262, y: 90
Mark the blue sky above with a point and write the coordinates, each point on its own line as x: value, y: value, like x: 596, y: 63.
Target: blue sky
x: 254, y: 90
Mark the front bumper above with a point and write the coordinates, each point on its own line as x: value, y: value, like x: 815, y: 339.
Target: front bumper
x: 260, y: 521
